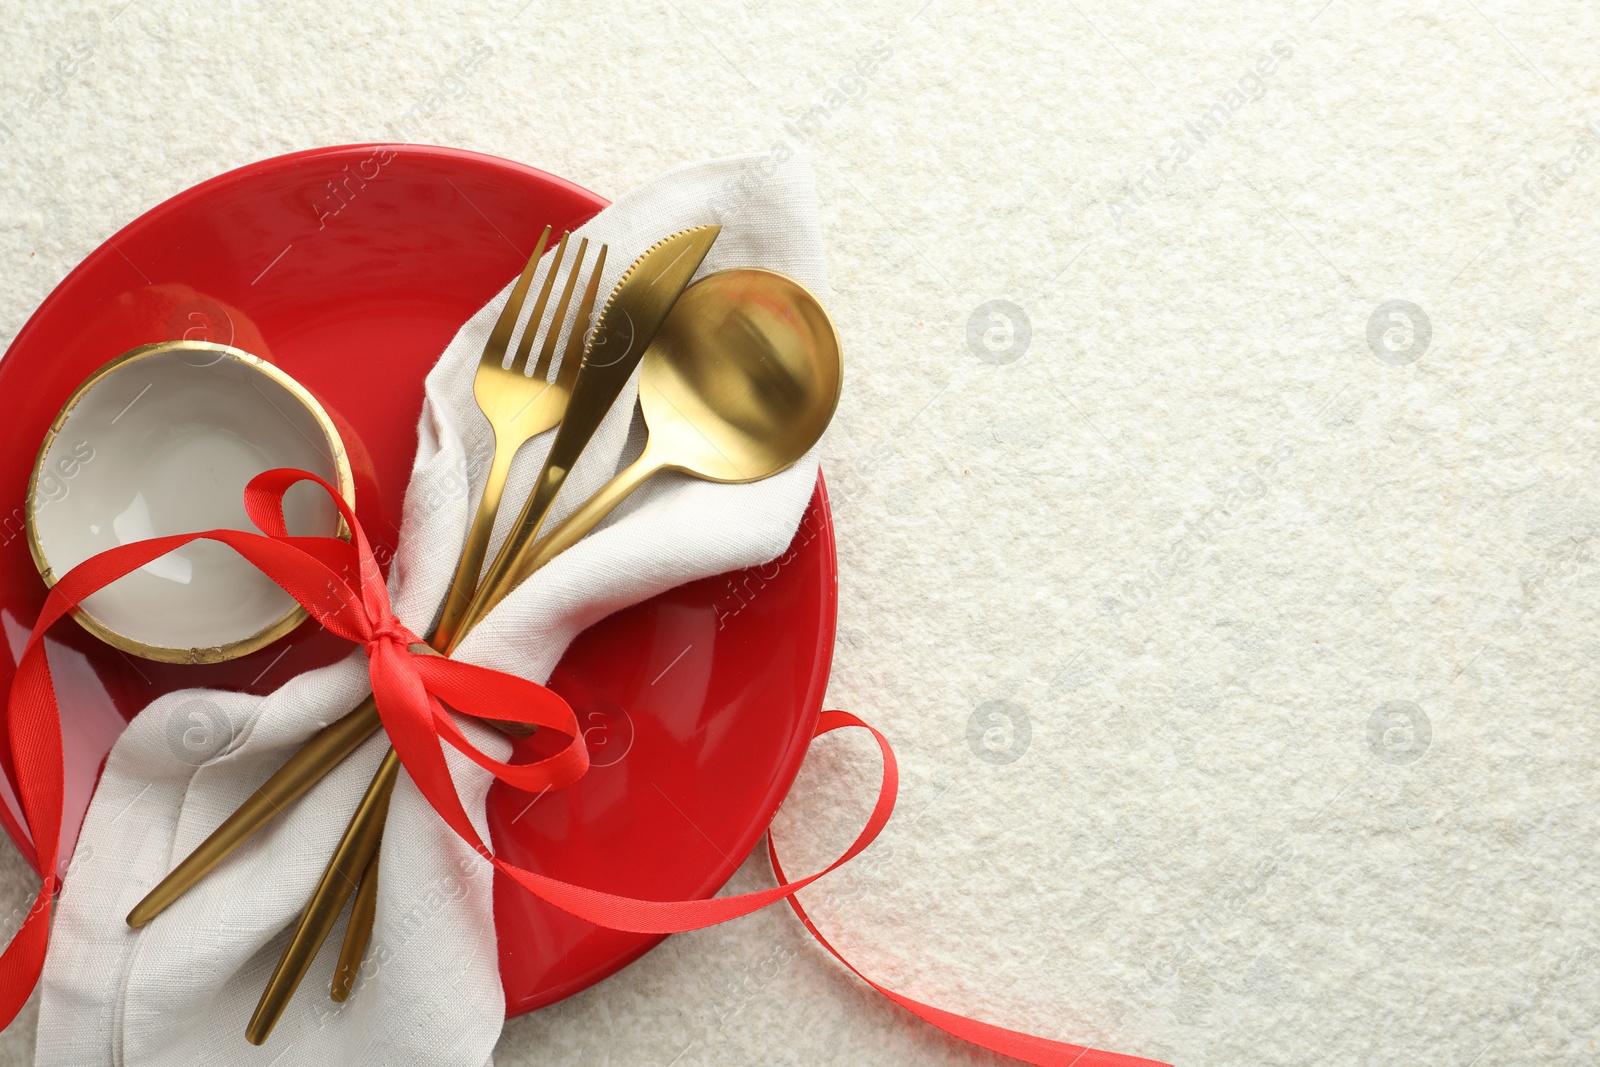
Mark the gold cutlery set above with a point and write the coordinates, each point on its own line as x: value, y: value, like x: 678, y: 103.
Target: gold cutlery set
x: 739, y: 375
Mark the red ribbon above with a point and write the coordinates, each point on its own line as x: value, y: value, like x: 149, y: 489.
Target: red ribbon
x: 339, y: 584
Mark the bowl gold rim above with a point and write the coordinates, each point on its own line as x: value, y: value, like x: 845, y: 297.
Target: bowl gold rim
x: 215, y: 653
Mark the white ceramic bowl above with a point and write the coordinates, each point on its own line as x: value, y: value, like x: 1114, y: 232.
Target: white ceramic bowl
x: 162, y: 440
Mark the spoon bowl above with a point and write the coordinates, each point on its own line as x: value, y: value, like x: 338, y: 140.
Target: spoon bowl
x: 742, y: 377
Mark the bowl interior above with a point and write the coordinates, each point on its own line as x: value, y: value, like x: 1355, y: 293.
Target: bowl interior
x: 164, y: 442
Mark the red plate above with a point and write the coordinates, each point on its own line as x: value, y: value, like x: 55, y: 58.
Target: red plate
x: 352, y: 268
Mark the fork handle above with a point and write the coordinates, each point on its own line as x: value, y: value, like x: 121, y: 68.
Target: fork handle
x: 476, y: 545
x: 354, y: 858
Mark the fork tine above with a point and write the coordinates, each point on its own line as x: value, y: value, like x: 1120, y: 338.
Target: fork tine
x: 573, y: 356
x: 519, y: 362
x: 494, y: 351
x: 541, y: 369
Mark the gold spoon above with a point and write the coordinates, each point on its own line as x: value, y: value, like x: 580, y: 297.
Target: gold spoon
x: 738, y: 384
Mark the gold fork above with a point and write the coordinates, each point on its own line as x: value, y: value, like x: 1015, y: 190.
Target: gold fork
x: 519, y: 407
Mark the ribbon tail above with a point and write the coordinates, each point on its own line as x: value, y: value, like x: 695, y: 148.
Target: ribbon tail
x: 23, y: 960
x: 1028, y: 1048
x: 1019, y: 1046
x: 34, y: 722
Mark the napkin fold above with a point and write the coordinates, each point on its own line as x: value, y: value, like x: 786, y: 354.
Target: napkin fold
x: 180, y: 990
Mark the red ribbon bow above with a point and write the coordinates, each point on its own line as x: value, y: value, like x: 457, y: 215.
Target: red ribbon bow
x: 413, y: 691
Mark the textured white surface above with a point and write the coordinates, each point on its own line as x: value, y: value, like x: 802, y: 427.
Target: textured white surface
x: 1206, y: 849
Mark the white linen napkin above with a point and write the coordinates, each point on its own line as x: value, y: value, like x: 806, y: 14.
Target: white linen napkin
x: 181, y: 990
